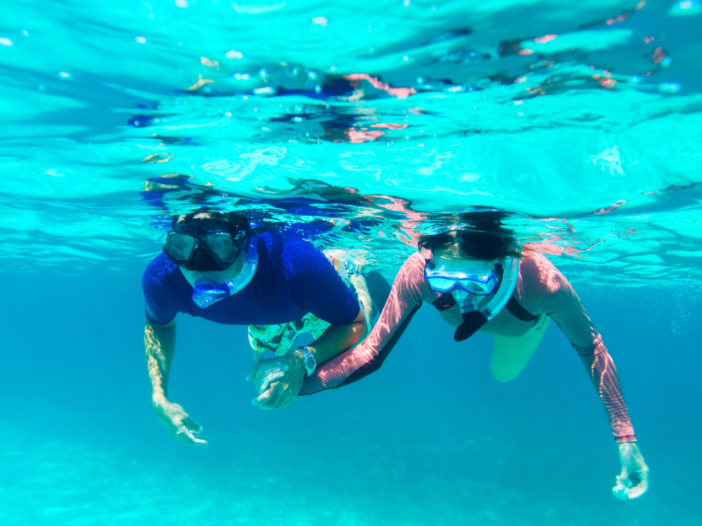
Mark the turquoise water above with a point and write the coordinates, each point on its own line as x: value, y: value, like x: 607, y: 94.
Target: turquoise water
x: 378, y: 120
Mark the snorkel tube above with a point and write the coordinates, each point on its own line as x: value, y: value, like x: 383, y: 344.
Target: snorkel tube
x: 207, y: 293
x: 473, y: 317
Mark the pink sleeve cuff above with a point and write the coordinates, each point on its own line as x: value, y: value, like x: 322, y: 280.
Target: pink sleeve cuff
x: 591, y: 350
x: 625, y: 438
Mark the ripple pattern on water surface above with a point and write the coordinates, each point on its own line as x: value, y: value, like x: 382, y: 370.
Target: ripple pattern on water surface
x: 382, y: 118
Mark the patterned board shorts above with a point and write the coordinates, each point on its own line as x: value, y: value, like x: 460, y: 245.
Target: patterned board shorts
x: 280, y: 338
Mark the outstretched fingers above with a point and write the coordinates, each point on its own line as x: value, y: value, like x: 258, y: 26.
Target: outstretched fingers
x: 187, y: 431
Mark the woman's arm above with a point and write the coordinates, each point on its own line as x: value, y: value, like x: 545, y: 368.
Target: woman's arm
x: 550, y: 292
x: 543, y: 289
x: 572, y: 318
x: 338, y: 337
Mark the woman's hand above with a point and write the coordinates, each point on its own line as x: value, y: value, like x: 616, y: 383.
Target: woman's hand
x: 278, y: 381
x: 178, y: 423
x: 632, y: 482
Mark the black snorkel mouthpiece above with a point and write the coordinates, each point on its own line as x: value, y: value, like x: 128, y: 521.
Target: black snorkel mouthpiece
x: 472, y: 321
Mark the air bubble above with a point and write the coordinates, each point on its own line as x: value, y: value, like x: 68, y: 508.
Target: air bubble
x: 669, y: 87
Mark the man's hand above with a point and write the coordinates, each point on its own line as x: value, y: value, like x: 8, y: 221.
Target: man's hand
x: 264, y: 372
x: 632, y: 482
x: 178, y: 423
x: 278, y: 381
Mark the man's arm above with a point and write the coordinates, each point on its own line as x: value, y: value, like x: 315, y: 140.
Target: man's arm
x: 282, y: 377
x: 337, y: 339
x: 408, y: 292
x: 159, y: 346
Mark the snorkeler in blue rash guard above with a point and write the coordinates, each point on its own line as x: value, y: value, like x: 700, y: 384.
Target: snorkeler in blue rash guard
x: 214, y: 266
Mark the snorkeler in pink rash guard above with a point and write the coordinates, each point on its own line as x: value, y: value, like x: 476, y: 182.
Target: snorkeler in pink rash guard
x: 479, y: 279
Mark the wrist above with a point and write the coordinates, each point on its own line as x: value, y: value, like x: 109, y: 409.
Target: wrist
x: 298, y: 359
x: 158, y: 399
x: 306, y: 359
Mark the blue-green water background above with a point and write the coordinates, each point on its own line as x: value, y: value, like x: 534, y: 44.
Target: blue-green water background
x: 429, y: 439
x: 592, y: 138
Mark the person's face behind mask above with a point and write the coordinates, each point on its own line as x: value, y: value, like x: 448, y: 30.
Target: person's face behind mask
x: 205, y: 248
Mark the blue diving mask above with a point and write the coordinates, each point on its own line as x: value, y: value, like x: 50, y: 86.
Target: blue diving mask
x: 477, y: 278
x: 207, y: 293
x: 470, y: 280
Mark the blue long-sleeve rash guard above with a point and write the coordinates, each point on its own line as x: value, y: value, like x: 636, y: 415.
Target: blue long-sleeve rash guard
x: 292, y: 279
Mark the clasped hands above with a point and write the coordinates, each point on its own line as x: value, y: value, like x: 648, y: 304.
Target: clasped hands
x: 278, y: 380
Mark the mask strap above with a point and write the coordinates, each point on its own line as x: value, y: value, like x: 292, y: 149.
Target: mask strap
x: 428, y: 256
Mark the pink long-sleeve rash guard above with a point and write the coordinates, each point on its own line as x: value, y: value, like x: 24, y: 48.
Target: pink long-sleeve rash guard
x: 541, y: 289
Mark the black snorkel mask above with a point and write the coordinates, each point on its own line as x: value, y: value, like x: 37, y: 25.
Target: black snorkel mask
x: 204, y: 244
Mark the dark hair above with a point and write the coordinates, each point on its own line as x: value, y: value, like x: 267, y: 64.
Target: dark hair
x: 238, y: 220
x: 483, y: 237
